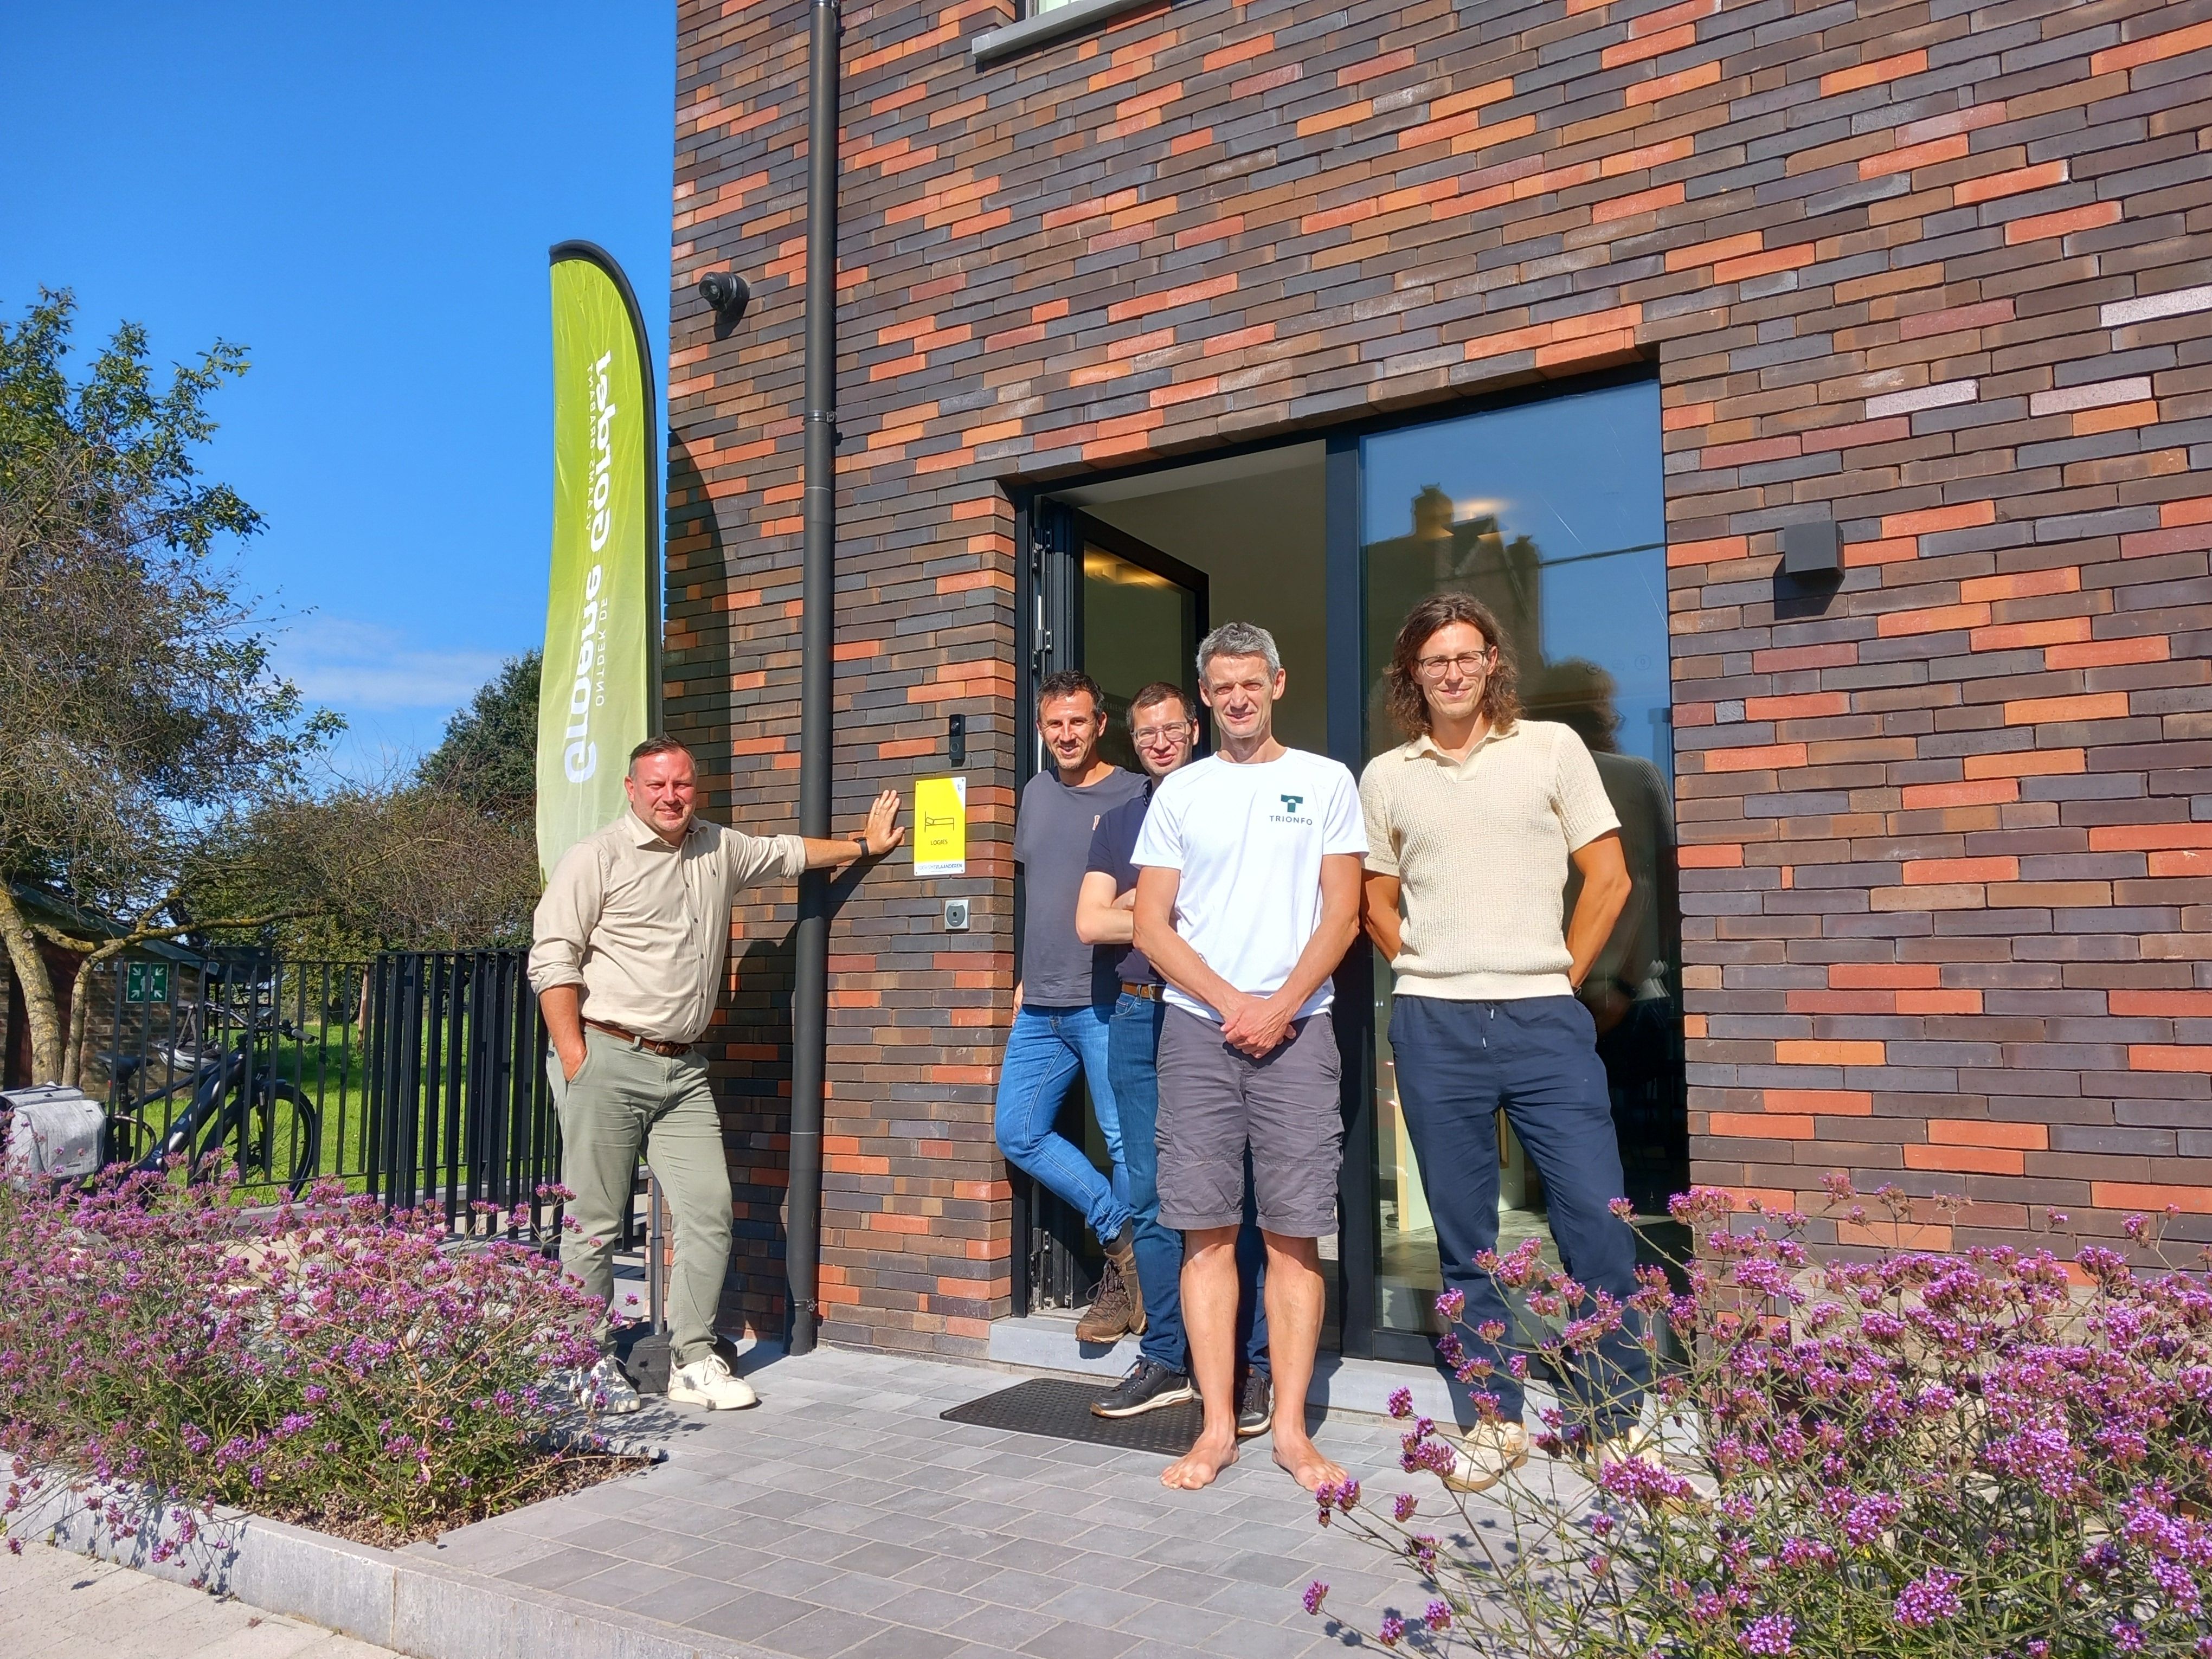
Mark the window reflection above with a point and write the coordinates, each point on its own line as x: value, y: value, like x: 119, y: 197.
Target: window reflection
x: 1552, y: 514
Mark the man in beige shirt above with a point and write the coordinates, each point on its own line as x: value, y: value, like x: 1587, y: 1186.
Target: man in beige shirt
x: 629, y: 944
x: 1472, y: 827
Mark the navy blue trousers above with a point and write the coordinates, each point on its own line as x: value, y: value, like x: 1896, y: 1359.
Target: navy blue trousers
x: 1536, y: 1057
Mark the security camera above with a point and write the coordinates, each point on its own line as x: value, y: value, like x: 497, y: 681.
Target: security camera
x: 727, y: 293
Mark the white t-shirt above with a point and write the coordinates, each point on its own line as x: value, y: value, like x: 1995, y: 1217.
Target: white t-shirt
x: 1249, y: 841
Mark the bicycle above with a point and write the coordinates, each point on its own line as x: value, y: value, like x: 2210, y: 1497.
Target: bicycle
x: 238, y: 1107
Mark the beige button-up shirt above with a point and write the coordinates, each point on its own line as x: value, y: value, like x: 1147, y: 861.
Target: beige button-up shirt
x: 644, y: 927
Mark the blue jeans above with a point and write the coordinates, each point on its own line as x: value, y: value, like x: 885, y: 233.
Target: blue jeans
x: 1044, y: 1051
x: 1132, y: 1046
x: 1458, y: 1064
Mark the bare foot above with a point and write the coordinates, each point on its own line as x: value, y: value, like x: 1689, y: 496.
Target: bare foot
x: 1305, y: 1462
x: 1200, y: 1464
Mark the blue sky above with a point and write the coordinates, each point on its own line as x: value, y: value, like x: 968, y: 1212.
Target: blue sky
x: 364, y: 197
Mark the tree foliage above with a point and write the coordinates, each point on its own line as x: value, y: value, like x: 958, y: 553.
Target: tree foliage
x: 137, y: 702
x: 489, y: 755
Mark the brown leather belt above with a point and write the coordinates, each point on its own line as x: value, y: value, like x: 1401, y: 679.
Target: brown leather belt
x: 1150, y: 993
x: 651, y: 1045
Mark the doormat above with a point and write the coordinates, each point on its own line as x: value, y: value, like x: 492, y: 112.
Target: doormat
x: 1047, y: 1405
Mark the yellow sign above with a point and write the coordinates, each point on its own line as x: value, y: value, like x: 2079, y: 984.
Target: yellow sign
x: 940, y: 826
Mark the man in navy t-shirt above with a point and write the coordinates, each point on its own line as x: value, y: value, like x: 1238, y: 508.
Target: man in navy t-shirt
x: 1161, y: 723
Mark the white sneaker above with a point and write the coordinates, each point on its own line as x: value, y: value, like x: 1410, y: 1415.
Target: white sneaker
x: 1485, y: 1456
x: 708, y: 1382
x: 603, y: 1389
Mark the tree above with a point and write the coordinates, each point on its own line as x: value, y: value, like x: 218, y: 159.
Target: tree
x: 137, y: 699
x: 489, y: 755
x: 440, y: 857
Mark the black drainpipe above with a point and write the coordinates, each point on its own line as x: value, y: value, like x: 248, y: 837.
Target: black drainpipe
x: 810, y: 991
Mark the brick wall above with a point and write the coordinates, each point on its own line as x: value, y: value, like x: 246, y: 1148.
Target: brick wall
x: 1938, y: 272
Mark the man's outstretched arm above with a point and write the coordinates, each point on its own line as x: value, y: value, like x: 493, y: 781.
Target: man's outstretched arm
x: 880, y: 835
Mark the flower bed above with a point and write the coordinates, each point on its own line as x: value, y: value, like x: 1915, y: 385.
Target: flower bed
x: 321, y: 1363
x: 1992, y: 1455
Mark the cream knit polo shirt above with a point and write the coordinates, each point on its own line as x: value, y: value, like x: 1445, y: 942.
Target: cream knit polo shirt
x: 1480, y: 849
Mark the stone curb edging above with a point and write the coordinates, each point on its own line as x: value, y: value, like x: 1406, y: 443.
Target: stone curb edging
x: 422, y: 1607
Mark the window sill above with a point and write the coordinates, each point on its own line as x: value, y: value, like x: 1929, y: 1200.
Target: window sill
x: 1077, y: 17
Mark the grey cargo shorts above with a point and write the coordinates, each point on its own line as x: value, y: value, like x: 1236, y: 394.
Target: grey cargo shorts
x: 1215, y: 1101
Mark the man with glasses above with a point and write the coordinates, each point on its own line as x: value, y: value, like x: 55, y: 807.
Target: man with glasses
x: 1471, y: 827
x: 1165, y: 735
x: 1247, y: 895
x: 1065, y: 993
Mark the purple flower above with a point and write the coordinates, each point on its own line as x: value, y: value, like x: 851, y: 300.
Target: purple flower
x: 1402, y: 1402
x: 1439, y: 1616
x: 1770, y: 1636
x: 1402, y: 1507
x: 1930, y: 1599
x: 1316, y: 1593
x: 1390, y: 1630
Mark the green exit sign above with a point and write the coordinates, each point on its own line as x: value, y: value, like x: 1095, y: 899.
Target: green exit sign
x: 146, y: 982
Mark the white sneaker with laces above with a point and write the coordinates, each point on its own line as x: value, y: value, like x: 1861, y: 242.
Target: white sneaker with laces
x: 708, y: 1382
x: 1487, y: 1452
x: 603, y: 1389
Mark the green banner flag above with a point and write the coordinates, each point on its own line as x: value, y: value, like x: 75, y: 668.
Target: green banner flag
x: 600, y: 696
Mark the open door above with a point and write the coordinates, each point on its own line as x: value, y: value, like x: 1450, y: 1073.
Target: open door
x: 1127, y: 614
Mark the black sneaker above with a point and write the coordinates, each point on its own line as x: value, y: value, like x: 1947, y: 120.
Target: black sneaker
x: 1149, y: 1386
x: 1255, y: 1404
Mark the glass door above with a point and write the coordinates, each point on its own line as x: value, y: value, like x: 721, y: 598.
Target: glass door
x: 1553, y: 513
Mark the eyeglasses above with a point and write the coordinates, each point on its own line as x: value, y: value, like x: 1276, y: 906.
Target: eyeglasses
x: 1147, y: 736
x: 1469, y: 663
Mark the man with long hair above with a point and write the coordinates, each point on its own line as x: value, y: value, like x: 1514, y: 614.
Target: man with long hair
x: 1471, y: 825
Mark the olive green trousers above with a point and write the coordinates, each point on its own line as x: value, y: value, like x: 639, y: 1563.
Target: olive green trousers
x: 621, y: 1101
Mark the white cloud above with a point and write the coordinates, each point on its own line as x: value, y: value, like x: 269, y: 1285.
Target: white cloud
x: 357, y: 665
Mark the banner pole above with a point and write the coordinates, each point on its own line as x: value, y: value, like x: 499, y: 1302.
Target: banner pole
x: 811, y: 982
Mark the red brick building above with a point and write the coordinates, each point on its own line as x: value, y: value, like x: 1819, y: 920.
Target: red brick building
x: 1295, y: 310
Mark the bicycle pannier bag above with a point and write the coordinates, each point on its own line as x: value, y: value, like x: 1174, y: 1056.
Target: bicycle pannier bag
x: 52, y: 1131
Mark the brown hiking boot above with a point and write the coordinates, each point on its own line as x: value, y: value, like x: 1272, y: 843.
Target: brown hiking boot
x: 1108, y: 1314
x: 1122, y: 1255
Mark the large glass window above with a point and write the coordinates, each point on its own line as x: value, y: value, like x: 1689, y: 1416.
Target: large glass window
x: 1552, y: 514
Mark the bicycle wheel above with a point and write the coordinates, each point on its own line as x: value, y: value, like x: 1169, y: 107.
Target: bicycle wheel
x: 277, y: 1140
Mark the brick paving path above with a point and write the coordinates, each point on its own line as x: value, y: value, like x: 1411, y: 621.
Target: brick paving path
x: 53, y: 1604
x: 843, y: 1517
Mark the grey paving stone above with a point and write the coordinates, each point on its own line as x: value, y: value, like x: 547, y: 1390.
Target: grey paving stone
x: 1091, y: 1604
x: 1011, y: 1587
x: 1067, y: 1641
x: 907, y: 1644
x: 821, y: 1633
x: 562, y: 1567
x: 856, y: 1592
x: 882, y: 1560
x: 687, y: 1597
x: 486, y: 1548
x: 788, y: 1576
x: 1001, y: 1627
x: 749, y: 1617
x: 642, y: 1543
x: 946, y: 1572
x: 930, y: 1609
x: 732, y: 1564
x: 1177, y: 1584
x: 623, y: 1583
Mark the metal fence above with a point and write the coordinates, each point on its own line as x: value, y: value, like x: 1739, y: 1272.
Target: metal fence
x: 460, y: 1109
x: 416, y: 1077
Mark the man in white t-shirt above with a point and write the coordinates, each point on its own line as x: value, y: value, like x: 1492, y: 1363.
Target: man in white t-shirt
x: 1248, y: 897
